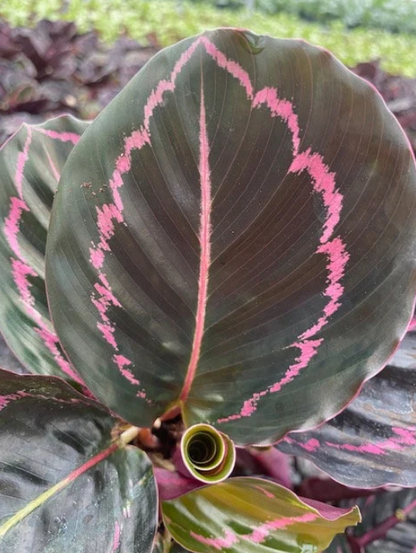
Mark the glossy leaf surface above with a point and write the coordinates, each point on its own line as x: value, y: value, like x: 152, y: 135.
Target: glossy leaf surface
x: 373, y: 442
x: 30, y: 165
x: 235, y: 234
x: 247, y: 515
x: 66, y: 485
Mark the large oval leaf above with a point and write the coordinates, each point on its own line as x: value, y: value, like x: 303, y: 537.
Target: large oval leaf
x: 65, y: 482
x: 373, y: 442
x: 30, y: 165
x: 235, y: 234
x: 251, y: 515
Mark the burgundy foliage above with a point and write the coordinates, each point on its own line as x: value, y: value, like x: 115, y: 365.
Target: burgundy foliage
x: 54, y: 69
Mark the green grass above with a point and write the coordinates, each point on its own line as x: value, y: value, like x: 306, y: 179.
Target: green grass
x: 172, y: 21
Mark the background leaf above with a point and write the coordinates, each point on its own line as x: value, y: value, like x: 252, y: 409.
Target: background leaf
x: 66, y: 484
x: 381, y: 529
x: 373, y: 442
x: 30, y: 165
x: 250, y: 515
x: 245, y: 248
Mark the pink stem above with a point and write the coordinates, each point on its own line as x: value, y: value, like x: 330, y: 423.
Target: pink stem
x: 358, y: 544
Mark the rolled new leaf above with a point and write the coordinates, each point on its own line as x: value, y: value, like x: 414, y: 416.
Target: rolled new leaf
x: 206, y: 454
x: 251, y: 515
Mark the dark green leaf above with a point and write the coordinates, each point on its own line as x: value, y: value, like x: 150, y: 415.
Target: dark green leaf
x: 251, y: 515
x: 30, y: 165
x: 66, y: 484
x: 235, y: 235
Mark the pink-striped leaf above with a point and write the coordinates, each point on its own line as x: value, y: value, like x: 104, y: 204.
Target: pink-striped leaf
x: 68, y: 483
x: 30, y: 165
x: 235, y: 236
x: 251, y: 515
x: 373, y: 442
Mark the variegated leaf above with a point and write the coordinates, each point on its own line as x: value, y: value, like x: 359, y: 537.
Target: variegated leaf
x: 31, y: 162
x: 251, y: 515
x: 235, y: 236
x: 68, y: 484
x: 373, y: 442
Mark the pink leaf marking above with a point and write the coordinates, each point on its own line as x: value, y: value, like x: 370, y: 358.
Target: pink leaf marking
x: 5, y: 400
x: 403, y: 438
x: 110, y: 212
x: 53, y: 167
x: 323, y: 182
x: 21, y: 394
x: 62, y: 136
x: 282, y: 109
x: 311, y: 445
x: 263, y: 530
x: 21, y: 161
x: 229, y: 65
x: 91, y: 463
x: 219, y: 543
x: 258, y: 535
x: 117, y: 536
x: 205, y: 244
x: 21, y: 269
x: 12, y: 224
x: 123, y: 362
x: 264, y: 491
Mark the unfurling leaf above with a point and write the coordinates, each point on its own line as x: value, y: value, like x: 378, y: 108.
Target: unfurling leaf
x: 235, y: 235
x: 65, y: 481
x: 31, y: 162
x: 206, y: 454
x: 250, y: 515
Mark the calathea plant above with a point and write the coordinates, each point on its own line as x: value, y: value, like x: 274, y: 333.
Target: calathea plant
x: 230, y: 256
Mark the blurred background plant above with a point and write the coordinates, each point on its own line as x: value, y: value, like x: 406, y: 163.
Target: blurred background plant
x: 354, y: 30
x: 87, y: 50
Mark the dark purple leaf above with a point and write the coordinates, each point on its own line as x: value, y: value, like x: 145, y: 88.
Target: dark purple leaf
x: 235, y: 235
x: 373, y: 442
x: 68, y: 480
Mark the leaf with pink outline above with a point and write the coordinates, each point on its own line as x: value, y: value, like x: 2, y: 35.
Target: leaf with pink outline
x: 250, y: 515
x: 373, y: 441
x: 67, y: 479
x: 31, y: 162
x: 246, y: 249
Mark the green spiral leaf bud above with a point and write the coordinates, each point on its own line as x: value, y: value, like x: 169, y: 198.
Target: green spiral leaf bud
x: 207, y: 454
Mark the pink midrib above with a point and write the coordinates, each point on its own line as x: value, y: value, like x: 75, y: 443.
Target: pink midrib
x: 205, y: 244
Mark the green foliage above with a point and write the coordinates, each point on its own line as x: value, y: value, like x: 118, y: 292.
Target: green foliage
x: 172, y: 21
x: 391, y: 15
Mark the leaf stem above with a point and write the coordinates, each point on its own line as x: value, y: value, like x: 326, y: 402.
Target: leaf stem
x: 380, y: 531
x: 129, y: 435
